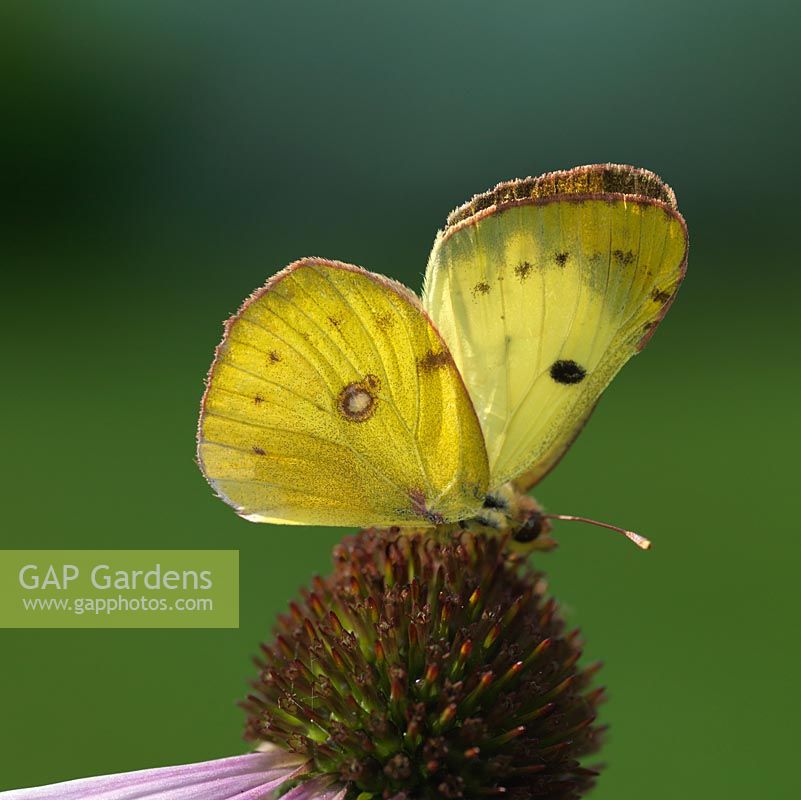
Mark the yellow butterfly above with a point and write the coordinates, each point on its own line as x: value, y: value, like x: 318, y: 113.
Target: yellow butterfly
x: 338, y: 397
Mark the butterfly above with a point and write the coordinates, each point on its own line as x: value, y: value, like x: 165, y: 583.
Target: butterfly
x: 339, y: 397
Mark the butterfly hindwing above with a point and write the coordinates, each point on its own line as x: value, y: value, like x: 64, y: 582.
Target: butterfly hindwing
x: 543, y: 289
x: 333, y: 400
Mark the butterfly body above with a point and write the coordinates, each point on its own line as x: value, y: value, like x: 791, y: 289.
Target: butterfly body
x: 338, y: 397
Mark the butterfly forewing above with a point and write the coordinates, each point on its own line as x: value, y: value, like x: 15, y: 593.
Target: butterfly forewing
x: 333, y: 400
x: 543, y: 289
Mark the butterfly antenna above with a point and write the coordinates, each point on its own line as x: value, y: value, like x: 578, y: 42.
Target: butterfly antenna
x: 640, y: 541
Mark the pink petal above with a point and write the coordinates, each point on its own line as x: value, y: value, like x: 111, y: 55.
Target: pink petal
x: 249, y: 777
x: 322, y: 788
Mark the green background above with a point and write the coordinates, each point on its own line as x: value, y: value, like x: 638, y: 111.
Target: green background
x: 161, y: 159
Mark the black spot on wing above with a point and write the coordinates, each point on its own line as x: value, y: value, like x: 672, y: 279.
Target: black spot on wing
x: 385, y: 321
x: 482, y: 287
x: 624, y: 258
x: 258, y: 451
x: 660, y: 295
x: 433, y: 360
x: 561, y: 258
x: 524, y: 269
x: 567, y: 372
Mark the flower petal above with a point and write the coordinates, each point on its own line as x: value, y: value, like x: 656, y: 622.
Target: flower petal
x: 249, y: 777
x: 323, y: 788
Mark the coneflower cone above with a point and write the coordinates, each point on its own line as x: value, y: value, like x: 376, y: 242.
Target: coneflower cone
x: 429, y: 666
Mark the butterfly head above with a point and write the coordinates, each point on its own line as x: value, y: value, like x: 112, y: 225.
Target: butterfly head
x: 513, y: 514
x: 510, y: 512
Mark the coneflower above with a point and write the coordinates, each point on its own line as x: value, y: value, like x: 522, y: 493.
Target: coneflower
x: 424, y: 666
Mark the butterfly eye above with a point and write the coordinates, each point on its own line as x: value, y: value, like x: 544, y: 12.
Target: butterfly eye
x: 530, y: 529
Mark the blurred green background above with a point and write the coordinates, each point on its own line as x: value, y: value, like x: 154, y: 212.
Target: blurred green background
x: 161, y: 159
